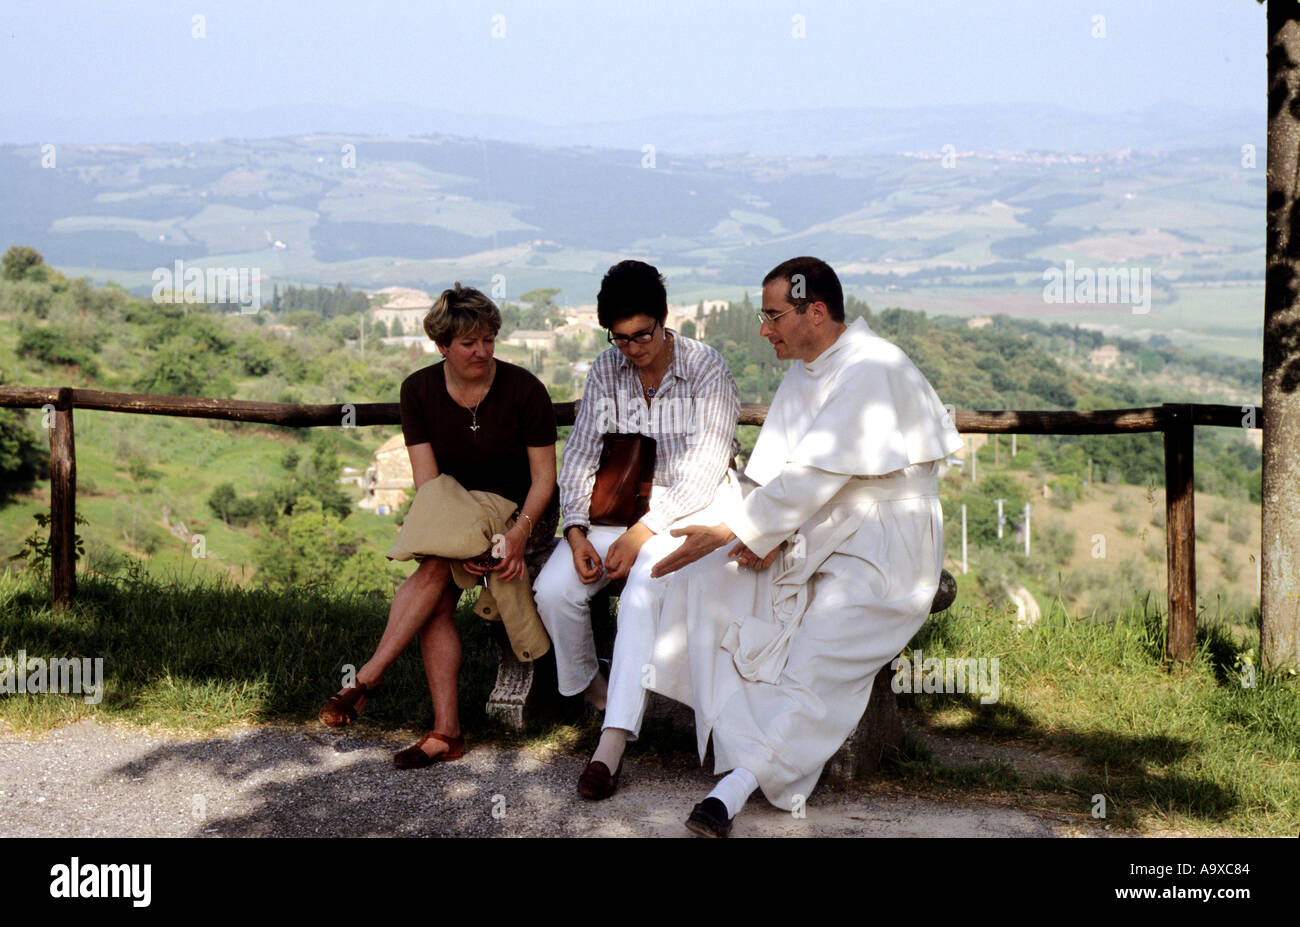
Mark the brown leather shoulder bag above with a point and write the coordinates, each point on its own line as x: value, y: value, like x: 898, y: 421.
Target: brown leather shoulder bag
x: 623, y: 480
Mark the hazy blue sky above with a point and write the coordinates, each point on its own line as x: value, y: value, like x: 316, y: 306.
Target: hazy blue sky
x: 567, y: 62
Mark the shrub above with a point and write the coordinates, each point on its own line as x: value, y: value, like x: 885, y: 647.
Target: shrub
x: 26, y: 297
x: 226, y: 504
x: 1067, y: 489
x: 1053, y: 543
x: 55, y: 344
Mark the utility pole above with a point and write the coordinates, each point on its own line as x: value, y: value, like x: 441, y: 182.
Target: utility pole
x: 1001, y: 518
x: 963, y: 538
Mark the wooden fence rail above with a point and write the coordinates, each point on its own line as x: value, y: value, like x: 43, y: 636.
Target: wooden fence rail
x: 1176, y: 420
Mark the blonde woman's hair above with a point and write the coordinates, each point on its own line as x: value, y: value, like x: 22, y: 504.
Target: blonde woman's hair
x: 458, y: 312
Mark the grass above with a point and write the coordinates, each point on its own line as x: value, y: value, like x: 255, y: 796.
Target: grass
x: 1184, y: 748
x: 199, y: 653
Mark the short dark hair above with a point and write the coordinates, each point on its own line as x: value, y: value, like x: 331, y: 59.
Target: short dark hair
x: 820, y: 285
x: 631, y: 288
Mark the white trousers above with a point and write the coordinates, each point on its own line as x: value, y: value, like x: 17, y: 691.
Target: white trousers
x: 564, y: 603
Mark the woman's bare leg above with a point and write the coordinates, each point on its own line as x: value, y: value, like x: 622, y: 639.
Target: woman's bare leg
x: 413, y: 604
x: 440, y: 651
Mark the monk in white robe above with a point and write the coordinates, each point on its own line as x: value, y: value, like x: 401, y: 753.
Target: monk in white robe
x: 775, y: 643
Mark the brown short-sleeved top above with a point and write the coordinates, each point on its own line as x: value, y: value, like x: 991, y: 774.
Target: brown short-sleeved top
x: 514, y: 415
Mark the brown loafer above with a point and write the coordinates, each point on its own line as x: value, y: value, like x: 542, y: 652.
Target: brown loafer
x: 415, y: 758
x: 341, y: 709
x: 596, y: 783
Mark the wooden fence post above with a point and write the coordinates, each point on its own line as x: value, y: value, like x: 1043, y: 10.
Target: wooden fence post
x: 63, y: 503
x: 1180, y: 530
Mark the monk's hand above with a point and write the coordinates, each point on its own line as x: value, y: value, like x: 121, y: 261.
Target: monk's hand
x: 700, y: 541
x: 623, y: 552
x: 750, y: 560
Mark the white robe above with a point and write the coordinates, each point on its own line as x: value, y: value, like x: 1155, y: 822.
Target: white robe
x: 778, y: 665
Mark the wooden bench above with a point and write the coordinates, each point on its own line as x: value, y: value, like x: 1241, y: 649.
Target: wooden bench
x: 527, y: 692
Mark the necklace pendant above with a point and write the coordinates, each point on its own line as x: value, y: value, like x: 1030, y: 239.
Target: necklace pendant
x: 473, y: 428
x: 650, y: 391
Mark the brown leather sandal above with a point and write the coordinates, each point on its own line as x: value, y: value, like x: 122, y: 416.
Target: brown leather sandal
x: 341, y: 709
x: 415, y: 758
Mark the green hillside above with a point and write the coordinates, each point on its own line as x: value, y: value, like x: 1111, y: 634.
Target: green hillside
x: 140, y: 477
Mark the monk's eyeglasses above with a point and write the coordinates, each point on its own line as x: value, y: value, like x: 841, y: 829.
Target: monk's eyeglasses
x: 764, y: 317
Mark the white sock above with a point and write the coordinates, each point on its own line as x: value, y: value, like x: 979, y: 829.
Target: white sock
x: 734, y: 790
x: 610, y: 749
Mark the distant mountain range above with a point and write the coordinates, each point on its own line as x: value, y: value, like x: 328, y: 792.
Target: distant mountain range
x: 964, y: 211
x: 812, y: 132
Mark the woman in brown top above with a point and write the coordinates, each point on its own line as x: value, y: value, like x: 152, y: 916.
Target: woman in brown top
x: 489, y: 424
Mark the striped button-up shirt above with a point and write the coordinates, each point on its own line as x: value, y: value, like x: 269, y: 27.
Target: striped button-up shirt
x: 692, y: 417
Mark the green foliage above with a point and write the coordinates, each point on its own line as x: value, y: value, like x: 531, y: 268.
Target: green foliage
x: 320, y: 302
x: 37, y: 551
x: 1067, y: 489
x: 734, y: 333
x: 1053, y: 543
x: 311, y: 481
x: 982, y: 511
x: 540, y: 312
x: 19, y: 262
x: 307, y: 548
x: 22, y: 456
x: 57, y: 344
x: 26, y: 298
x: 186, y: 366
x: 255, y: 356
x: 303, y: 319
x: 227, y: 505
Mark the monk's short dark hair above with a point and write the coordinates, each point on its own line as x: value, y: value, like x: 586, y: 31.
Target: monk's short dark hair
x: 815, y: 282
x: 631, y: 288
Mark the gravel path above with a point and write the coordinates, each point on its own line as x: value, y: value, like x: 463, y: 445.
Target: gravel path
x: 95, y: 780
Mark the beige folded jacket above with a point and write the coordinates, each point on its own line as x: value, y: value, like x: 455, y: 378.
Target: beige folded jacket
x: 446, y: 520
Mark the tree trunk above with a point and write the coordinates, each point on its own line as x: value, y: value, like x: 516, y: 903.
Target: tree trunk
x: 1280, y: 595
